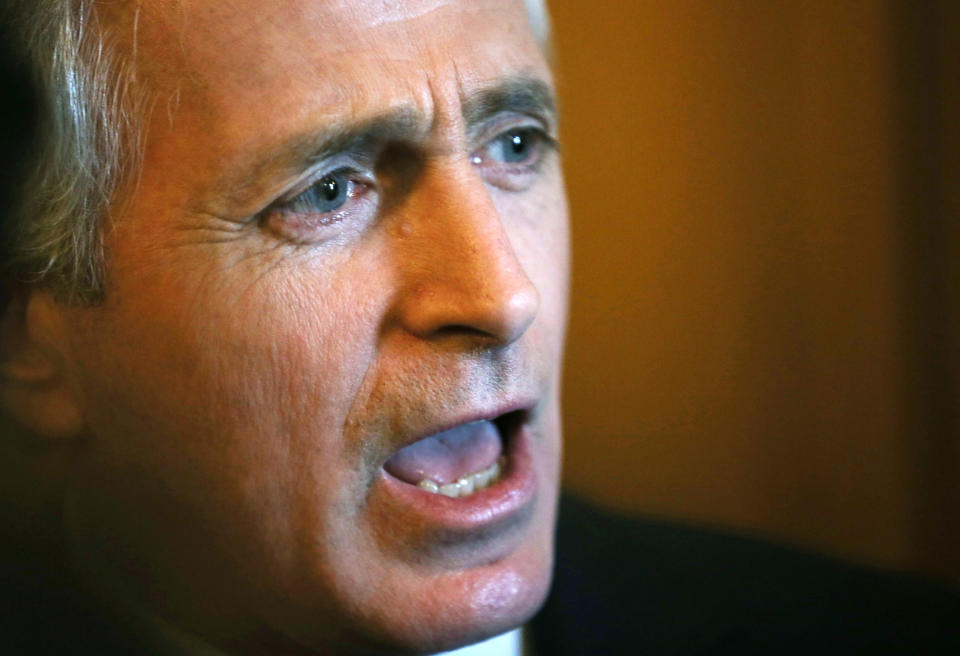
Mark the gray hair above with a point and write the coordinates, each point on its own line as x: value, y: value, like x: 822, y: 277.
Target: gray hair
x: 539, y: 19
x: 89, y: 145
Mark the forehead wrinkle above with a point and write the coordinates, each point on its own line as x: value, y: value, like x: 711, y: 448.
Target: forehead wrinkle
x: 462, y: 111
x: 438, y: 115
x: 391, y: 12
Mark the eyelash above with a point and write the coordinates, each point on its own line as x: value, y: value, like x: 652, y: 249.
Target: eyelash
x: 517, y: 176
x: 340, y: 181
x: 298, y: 217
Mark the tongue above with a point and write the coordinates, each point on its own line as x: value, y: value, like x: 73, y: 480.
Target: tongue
x: 447, y: 456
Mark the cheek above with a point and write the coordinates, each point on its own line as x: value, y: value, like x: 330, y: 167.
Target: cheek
x: 215, y: 422
x: 309, y: 349
x: 232, y: 391
x: 283, y: 367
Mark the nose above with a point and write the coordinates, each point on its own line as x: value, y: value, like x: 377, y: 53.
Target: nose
x: 461, y: 275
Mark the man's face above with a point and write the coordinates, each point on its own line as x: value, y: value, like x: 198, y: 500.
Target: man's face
x: 349, y: 235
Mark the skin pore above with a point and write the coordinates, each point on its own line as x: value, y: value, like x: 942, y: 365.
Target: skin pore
x: 348, y: 233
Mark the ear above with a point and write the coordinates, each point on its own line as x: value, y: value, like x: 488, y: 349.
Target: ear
x: 35, y: 390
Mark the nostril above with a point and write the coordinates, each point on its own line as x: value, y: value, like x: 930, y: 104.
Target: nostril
x: 462, y: 329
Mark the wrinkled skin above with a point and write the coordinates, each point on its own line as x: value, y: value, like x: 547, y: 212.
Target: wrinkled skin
x: 257, y: 361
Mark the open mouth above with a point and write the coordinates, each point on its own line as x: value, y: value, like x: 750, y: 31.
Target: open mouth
x: 460, y: 461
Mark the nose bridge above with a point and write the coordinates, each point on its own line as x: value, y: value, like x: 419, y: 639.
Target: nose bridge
x: 461, y: 272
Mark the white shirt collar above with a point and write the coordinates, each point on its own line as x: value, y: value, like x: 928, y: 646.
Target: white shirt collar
x: 505, y: 644
x: 178, y: 642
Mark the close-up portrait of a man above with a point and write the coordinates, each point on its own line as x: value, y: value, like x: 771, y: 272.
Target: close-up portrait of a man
x: 291, y: 292
x: 285, y: 296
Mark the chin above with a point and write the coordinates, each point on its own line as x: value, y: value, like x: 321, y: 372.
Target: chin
x: 467, y: 607
x: 414, y: 609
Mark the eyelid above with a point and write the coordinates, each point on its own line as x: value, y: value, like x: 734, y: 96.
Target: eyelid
x: 545, y: 142
x: 358, y: 175
x: 301, y: 219
x: 498, y: 125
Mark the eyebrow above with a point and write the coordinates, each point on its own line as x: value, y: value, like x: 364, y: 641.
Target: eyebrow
x: 523, y: 94
x: 526, y: 95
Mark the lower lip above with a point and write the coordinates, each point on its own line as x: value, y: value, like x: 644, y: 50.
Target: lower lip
x: 503, y: 502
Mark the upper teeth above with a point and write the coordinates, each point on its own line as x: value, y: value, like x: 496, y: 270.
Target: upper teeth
x: 467, y: 484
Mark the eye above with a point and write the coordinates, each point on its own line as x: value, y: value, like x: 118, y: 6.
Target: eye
x: 513, y: 147
x: 512, y: 159
x: 339, y: 201
x: 326, y: 195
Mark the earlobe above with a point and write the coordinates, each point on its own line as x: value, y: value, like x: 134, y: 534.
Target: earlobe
x: 35, y: 390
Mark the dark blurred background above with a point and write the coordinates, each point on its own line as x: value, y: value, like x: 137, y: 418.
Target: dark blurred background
x: 17, y: 117
x: 766, y: 268
x: 18, y: 106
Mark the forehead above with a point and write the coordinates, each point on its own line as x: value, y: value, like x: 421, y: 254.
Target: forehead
x: 232, y: 52
x: 230, y: 80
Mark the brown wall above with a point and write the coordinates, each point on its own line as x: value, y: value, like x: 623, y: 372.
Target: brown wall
x: 746, y: 338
